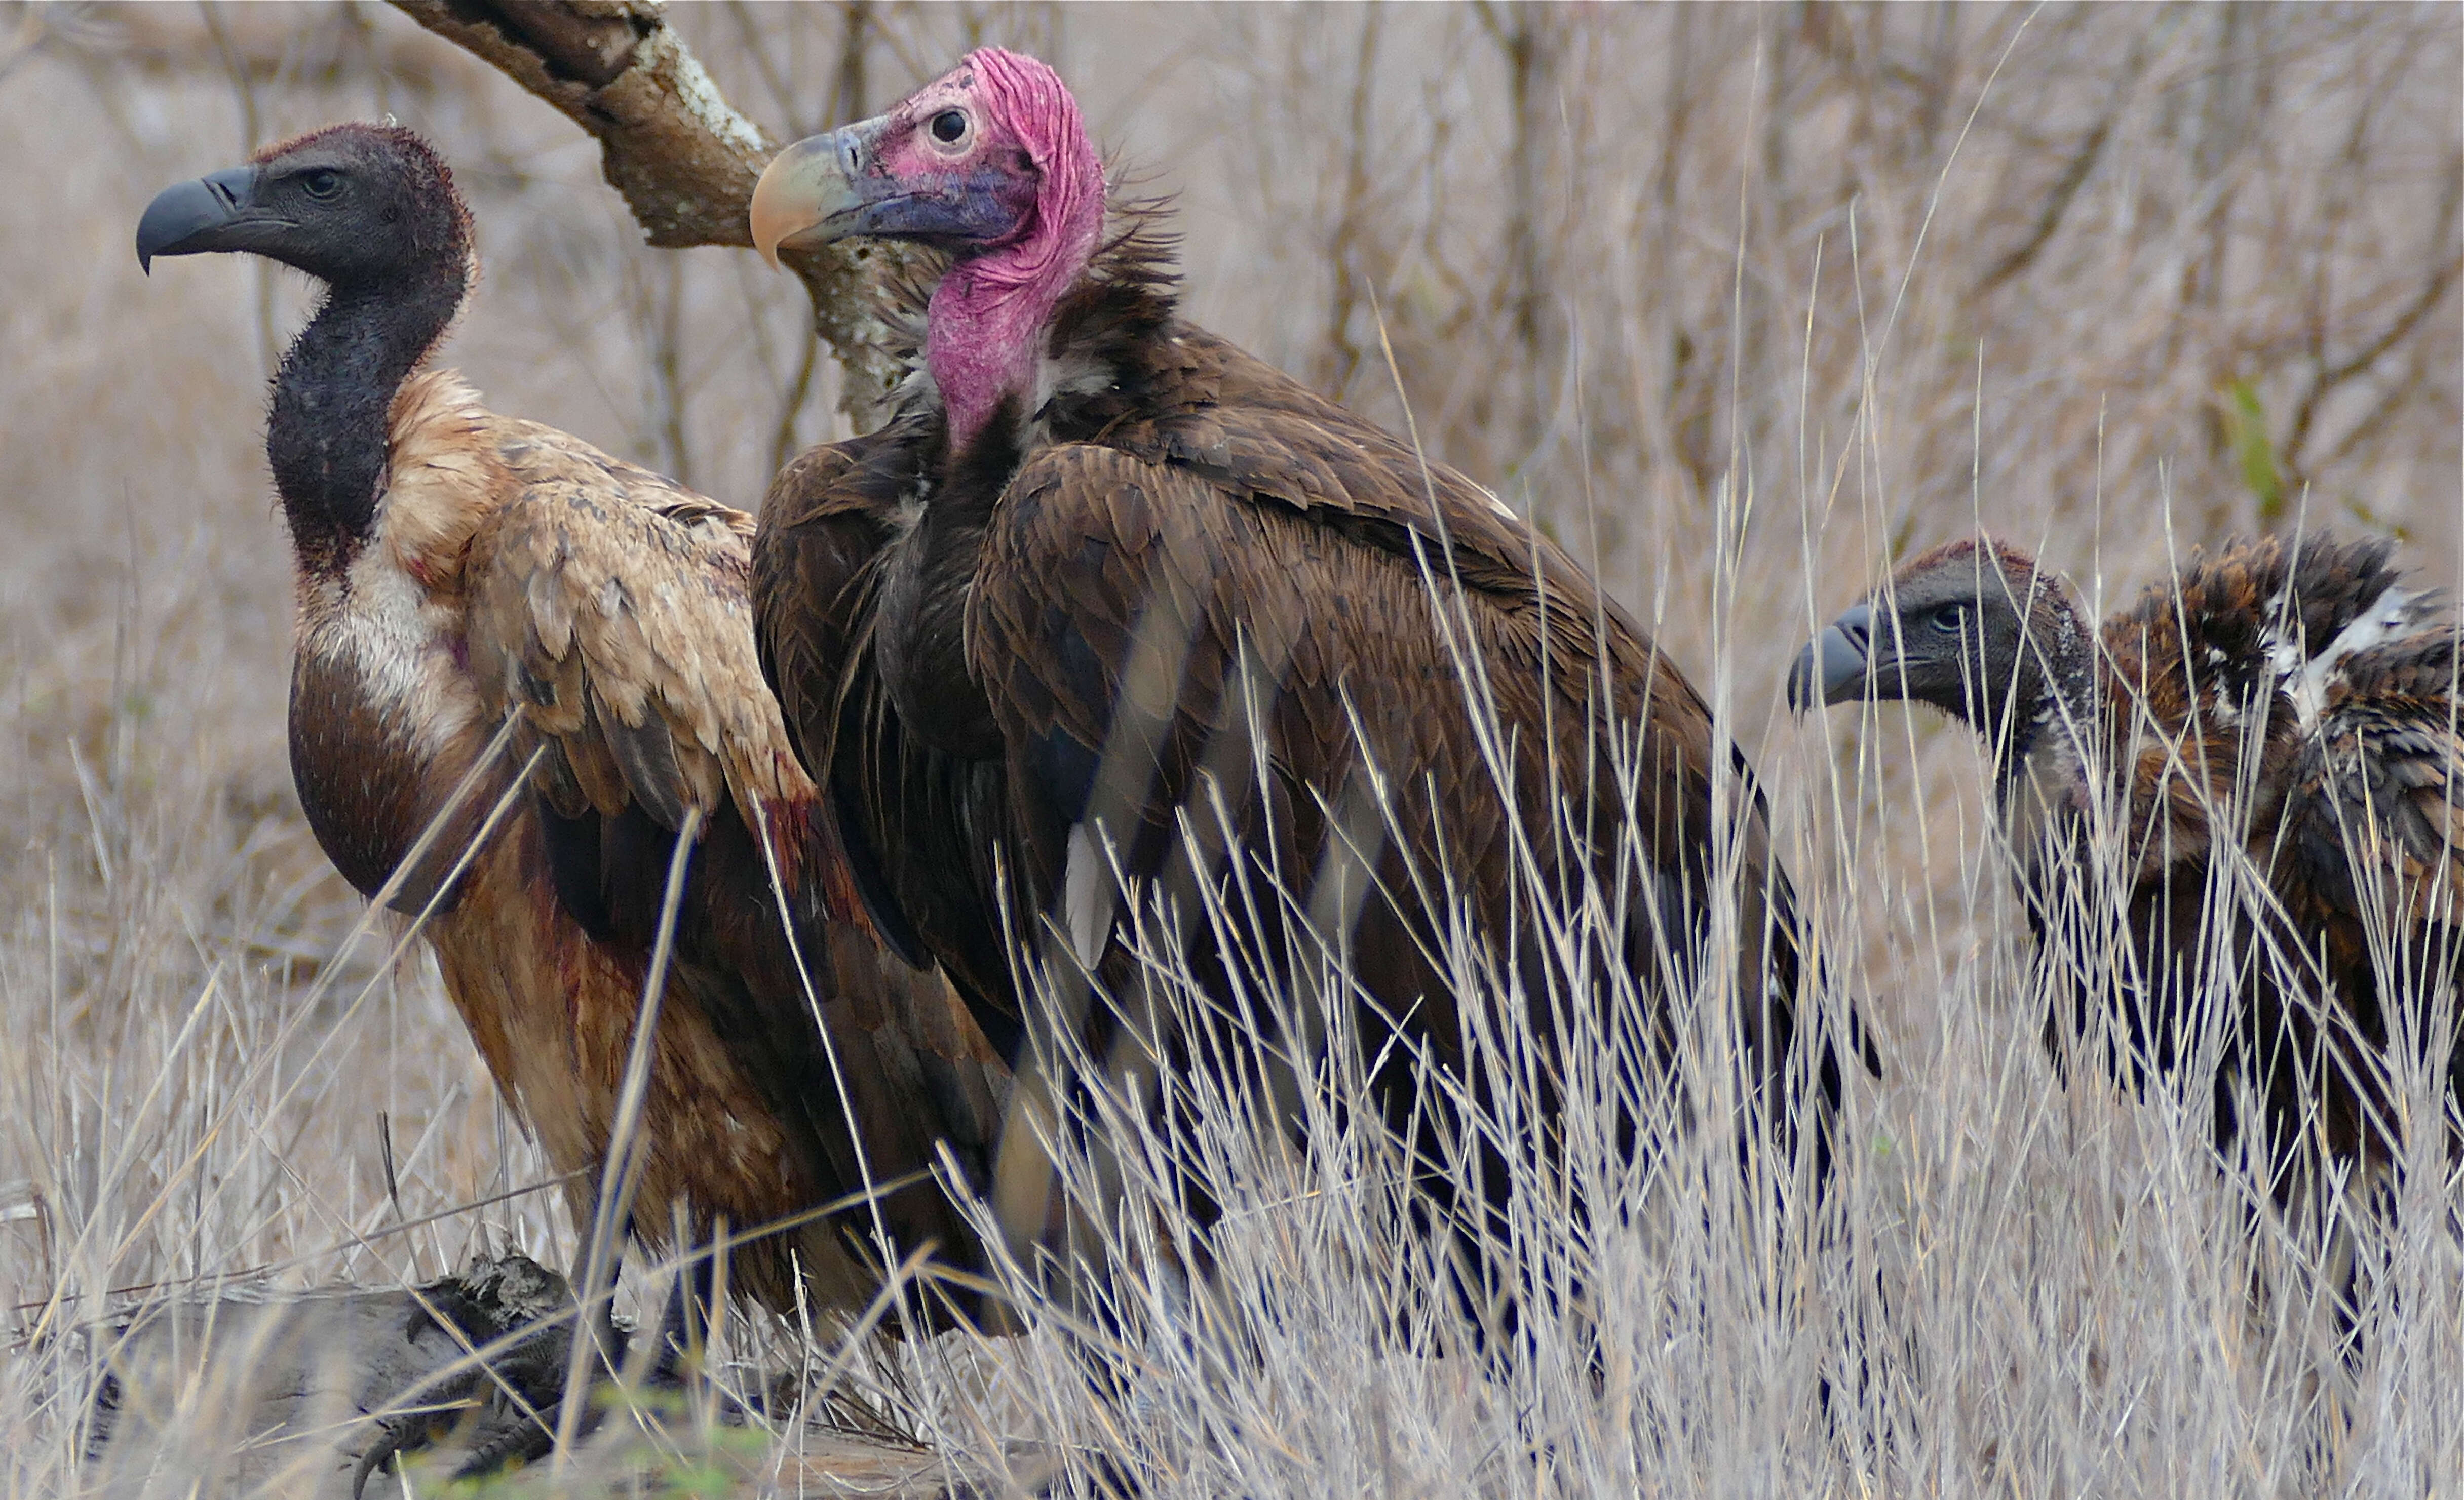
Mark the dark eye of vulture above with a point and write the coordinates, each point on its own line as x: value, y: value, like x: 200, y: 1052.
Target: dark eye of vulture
x: 2291, y: 708
x: 464, y: 573
x: 1154, y: 579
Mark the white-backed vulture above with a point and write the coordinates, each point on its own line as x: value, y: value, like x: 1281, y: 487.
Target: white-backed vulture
x: 461, y: 573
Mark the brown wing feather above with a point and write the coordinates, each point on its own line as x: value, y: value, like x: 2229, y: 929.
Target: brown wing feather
x: 1255, y: 430
x: 2364, y: 865
x: 1104, y: 564
x: 2379, y: 797
x: 613, y: 606
x: 1260, y: 436
x: 820, y: 529
x: 2232, y: 717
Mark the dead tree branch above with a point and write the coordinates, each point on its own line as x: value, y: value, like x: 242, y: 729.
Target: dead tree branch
x: 669, y: 142
x: 2075, y: 173
x: 2326, y: 378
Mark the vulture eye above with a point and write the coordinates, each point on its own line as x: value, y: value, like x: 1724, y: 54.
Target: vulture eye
x: 949, y: 126
x: 322, y: 182
x: 1947, y: 620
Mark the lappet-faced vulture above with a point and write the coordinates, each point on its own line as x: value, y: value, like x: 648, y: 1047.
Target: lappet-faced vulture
x: 1140, y: 618
x: 2252, y: 773
x: 463, y: 575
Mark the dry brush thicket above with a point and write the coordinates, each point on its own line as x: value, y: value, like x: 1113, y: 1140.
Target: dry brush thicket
x: 1741, y: 302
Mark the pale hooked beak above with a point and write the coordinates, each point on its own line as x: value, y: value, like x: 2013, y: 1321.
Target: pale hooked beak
x: 808, y: 194
x: 834, y: 188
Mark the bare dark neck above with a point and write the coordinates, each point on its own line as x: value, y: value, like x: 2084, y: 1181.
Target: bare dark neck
x: 326, y: 434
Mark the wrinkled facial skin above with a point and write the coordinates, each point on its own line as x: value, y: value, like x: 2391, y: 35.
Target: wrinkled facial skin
x: 940, y: 168
x: 943, y: 138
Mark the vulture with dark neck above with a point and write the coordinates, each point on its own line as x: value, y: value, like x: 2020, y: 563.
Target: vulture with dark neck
x: 462, y: 574
x: 2250, y: 777
x: 1151, y: 643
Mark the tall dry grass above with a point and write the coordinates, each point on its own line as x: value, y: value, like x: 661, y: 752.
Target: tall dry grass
x: 1740, y: 301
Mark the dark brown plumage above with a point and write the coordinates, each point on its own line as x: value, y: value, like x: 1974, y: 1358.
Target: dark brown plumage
x: 458, y: 570
x: 2260, y: 758
x: 1114, y: 582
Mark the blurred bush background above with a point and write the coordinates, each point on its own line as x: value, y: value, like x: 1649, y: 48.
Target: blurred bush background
x: 1740, y: 301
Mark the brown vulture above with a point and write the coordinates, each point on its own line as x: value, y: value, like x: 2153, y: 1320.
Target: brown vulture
x: 2252, y: 773
x: 1133, y: 619
x: 463, y: 575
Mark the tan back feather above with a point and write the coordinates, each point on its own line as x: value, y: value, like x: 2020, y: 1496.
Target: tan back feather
x: 613, y: 605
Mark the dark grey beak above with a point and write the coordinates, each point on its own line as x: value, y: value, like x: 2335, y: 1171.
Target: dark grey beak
x: 186, y: 219
x: 1832, y: 668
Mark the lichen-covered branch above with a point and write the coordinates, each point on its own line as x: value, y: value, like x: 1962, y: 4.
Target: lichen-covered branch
x: 669, y: 142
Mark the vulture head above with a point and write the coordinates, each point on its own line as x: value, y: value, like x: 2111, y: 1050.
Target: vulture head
x: 989, y: 162
x: 1973, y: 628
x: 354, y: 205
x: 371, y: 212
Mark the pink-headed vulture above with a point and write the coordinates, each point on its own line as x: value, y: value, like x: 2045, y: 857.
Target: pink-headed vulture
x: 462, y: 574
x: 2242, y: 793
x: 1137, y: 623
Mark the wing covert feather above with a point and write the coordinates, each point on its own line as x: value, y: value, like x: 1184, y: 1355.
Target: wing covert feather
x: 1109, y: 577
x: 615, y: 608
x: 2380, y: 791
x: 1095, y: 537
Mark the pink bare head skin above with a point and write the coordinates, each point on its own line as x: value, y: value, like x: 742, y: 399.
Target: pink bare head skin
x: 988, y: 314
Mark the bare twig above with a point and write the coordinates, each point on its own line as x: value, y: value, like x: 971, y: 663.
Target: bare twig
x: 785, y: 439
x: 1342, y: 355
x: 244, y: 91
x: 2443, y: 272
x: 2074, y: 172
x: 33, y: 30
